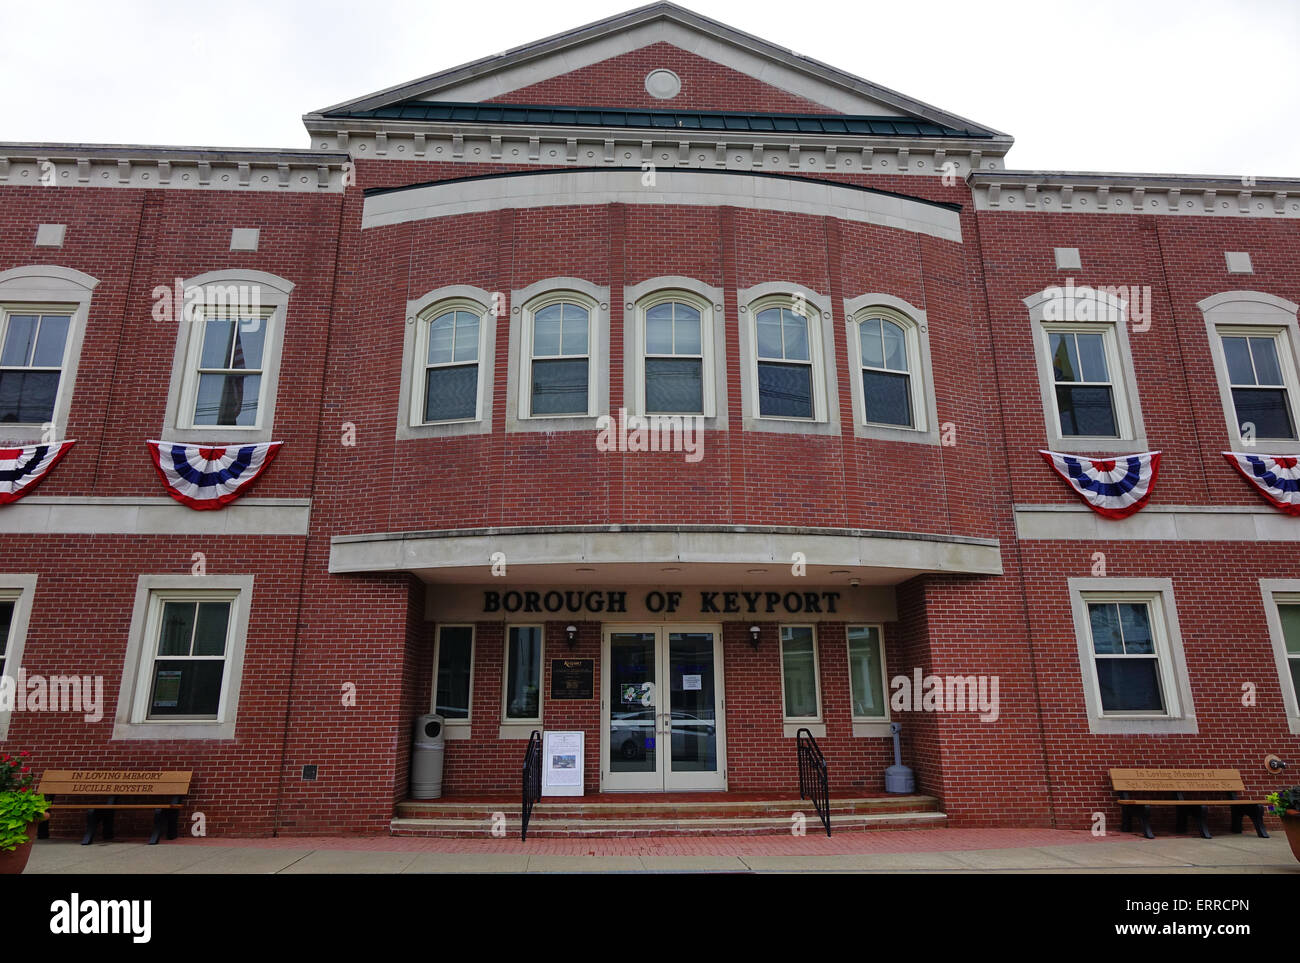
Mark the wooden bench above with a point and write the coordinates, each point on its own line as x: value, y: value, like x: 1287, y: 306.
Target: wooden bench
x: 109, y: 785
x: 1185, y: 789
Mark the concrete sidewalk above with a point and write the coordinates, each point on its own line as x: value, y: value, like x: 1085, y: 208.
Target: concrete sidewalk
x: 911, y: 851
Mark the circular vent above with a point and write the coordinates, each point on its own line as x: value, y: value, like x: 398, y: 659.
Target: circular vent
x: 663, y: 84
x: 432, y: 728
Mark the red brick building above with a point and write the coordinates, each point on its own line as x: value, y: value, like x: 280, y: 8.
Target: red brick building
x: 835, y: 320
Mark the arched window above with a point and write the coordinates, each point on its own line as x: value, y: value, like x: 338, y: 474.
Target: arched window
x: 449, y: 344
x: 889, y: 353
x: 43, y: 311
x: 230, y: 339
x: 558, y: 356
x: 787, y: 375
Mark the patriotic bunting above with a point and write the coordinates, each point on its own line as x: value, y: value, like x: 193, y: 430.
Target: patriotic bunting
x: 21, y: 469
x: 1277, y: 477
x: 209, y: 476
x: 1113, y: 487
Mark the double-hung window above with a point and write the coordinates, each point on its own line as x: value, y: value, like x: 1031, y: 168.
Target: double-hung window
x: 674, y: 355
x: 185, y: 654
x: 1131, y: 654
x: 33, y: 343
x: 1261, y: 378
x: 229, y: 380
x: 1084, y: 383
x: 890, y: 382
x: 786, y: 373
x: 226, y: 367
x: 1085, y: 370
x: 1282, y: 611
x: 559, y: 359
x: 190, y: 643
x: 451, y: 382
x: 16, y: 592
x: 1125, y: 656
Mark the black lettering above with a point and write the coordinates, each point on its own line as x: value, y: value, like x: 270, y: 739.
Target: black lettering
x: 512, y: 601
x: 708, y: 602
x: 831, y: 598
x: 532, y: 601
x: 553, y: 602
x: 730, y: 602
x: 654, y: 601
x: 573, y: 601
x: 773, y: 599
x: 674, y: 599
x: 798, y: 602
x: 596, y: 602
x: 617, y: 601
x: 810, y: 603
x: 491, y: 601
x: 751, y: 600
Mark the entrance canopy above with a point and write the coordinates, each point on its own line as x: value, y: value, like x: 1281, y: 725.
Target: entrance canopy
x: 644, y: 555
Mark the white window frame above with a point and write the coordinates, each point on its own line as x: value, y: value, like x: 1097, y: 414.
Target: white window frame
x: 1247, y: 313
x: 1158, y: 594
x: 869, y: 725
x: 21, y: 590
x: 419, y: 312
x: 709, y: 388
x: 55, y: 290
x: 455, y: 728
x: 925, y: 428
x: 521, y: 728
x: 1113, y: 327
x: 524, y: 304
x: 708, y: 300
x: 1282, y: 591
x: 792, y: 724
x: 132, y: 720
x: 273, y: 299
x: 821, y: 353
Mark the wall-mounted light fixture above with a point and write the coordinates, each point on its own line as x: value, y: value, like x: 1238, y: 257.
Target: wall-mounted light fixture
x: 571, y: 634
x: 754, y: 632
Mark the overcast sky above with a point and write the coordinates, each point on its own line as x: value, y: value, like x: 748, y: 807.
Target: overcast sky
x: 1168, y: 86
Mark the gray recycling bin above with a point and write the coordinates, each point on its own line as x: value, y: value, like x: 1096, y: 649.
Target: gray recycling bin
x: 426, y: 757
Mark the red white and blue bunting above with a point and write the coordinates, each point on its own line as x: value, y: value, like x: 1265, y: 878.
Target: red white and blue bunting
x: 1277, y: 477
x: 210, y: 476
x: 21, y: 469
x: 1113, y: 487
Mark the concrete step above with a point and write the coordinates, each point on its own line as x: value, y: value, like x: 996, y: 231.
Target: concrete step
x: 767, y: 825
x: 570, y: 809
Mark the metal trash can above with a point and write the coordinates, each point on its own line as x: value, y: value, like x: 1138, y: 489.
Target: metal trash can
x: 426, y: 757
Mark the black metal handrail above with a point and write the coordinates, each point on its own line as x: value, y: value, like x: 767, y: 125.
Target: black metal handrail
x: 532, y: 780
x: 813, y: 781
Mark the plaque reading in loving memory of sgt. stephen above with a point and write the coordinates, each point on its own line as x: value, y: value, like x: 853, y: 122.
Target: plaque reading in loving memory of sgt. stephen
x: 573, y: 678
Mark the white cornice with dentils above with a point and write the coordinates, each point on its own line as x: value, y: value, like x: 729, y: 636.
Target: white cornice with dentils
x: 803, y: 153
x: 1077, y: 192
x: 572, y: 49
x: 179, y: 168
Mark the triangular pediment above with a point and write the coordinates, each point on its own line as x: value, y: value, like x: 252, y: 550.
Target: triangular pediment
x: 610, y: 63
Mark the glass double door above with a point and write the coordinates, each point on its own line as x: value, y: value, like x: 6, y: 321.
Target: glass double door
x: 663, y: 725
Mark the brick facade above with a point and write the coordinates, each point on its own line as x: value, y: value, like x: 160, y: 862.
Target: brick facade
x: 313, y: 633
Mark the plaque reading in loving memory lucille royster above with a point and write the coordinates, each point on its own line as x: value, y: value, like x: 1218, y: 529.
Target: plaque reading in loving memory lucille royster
x: 573, y: 678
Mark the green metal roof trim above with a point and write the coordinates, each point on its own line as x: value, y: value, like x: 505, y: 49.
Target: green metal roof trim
x: 656, y: 119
